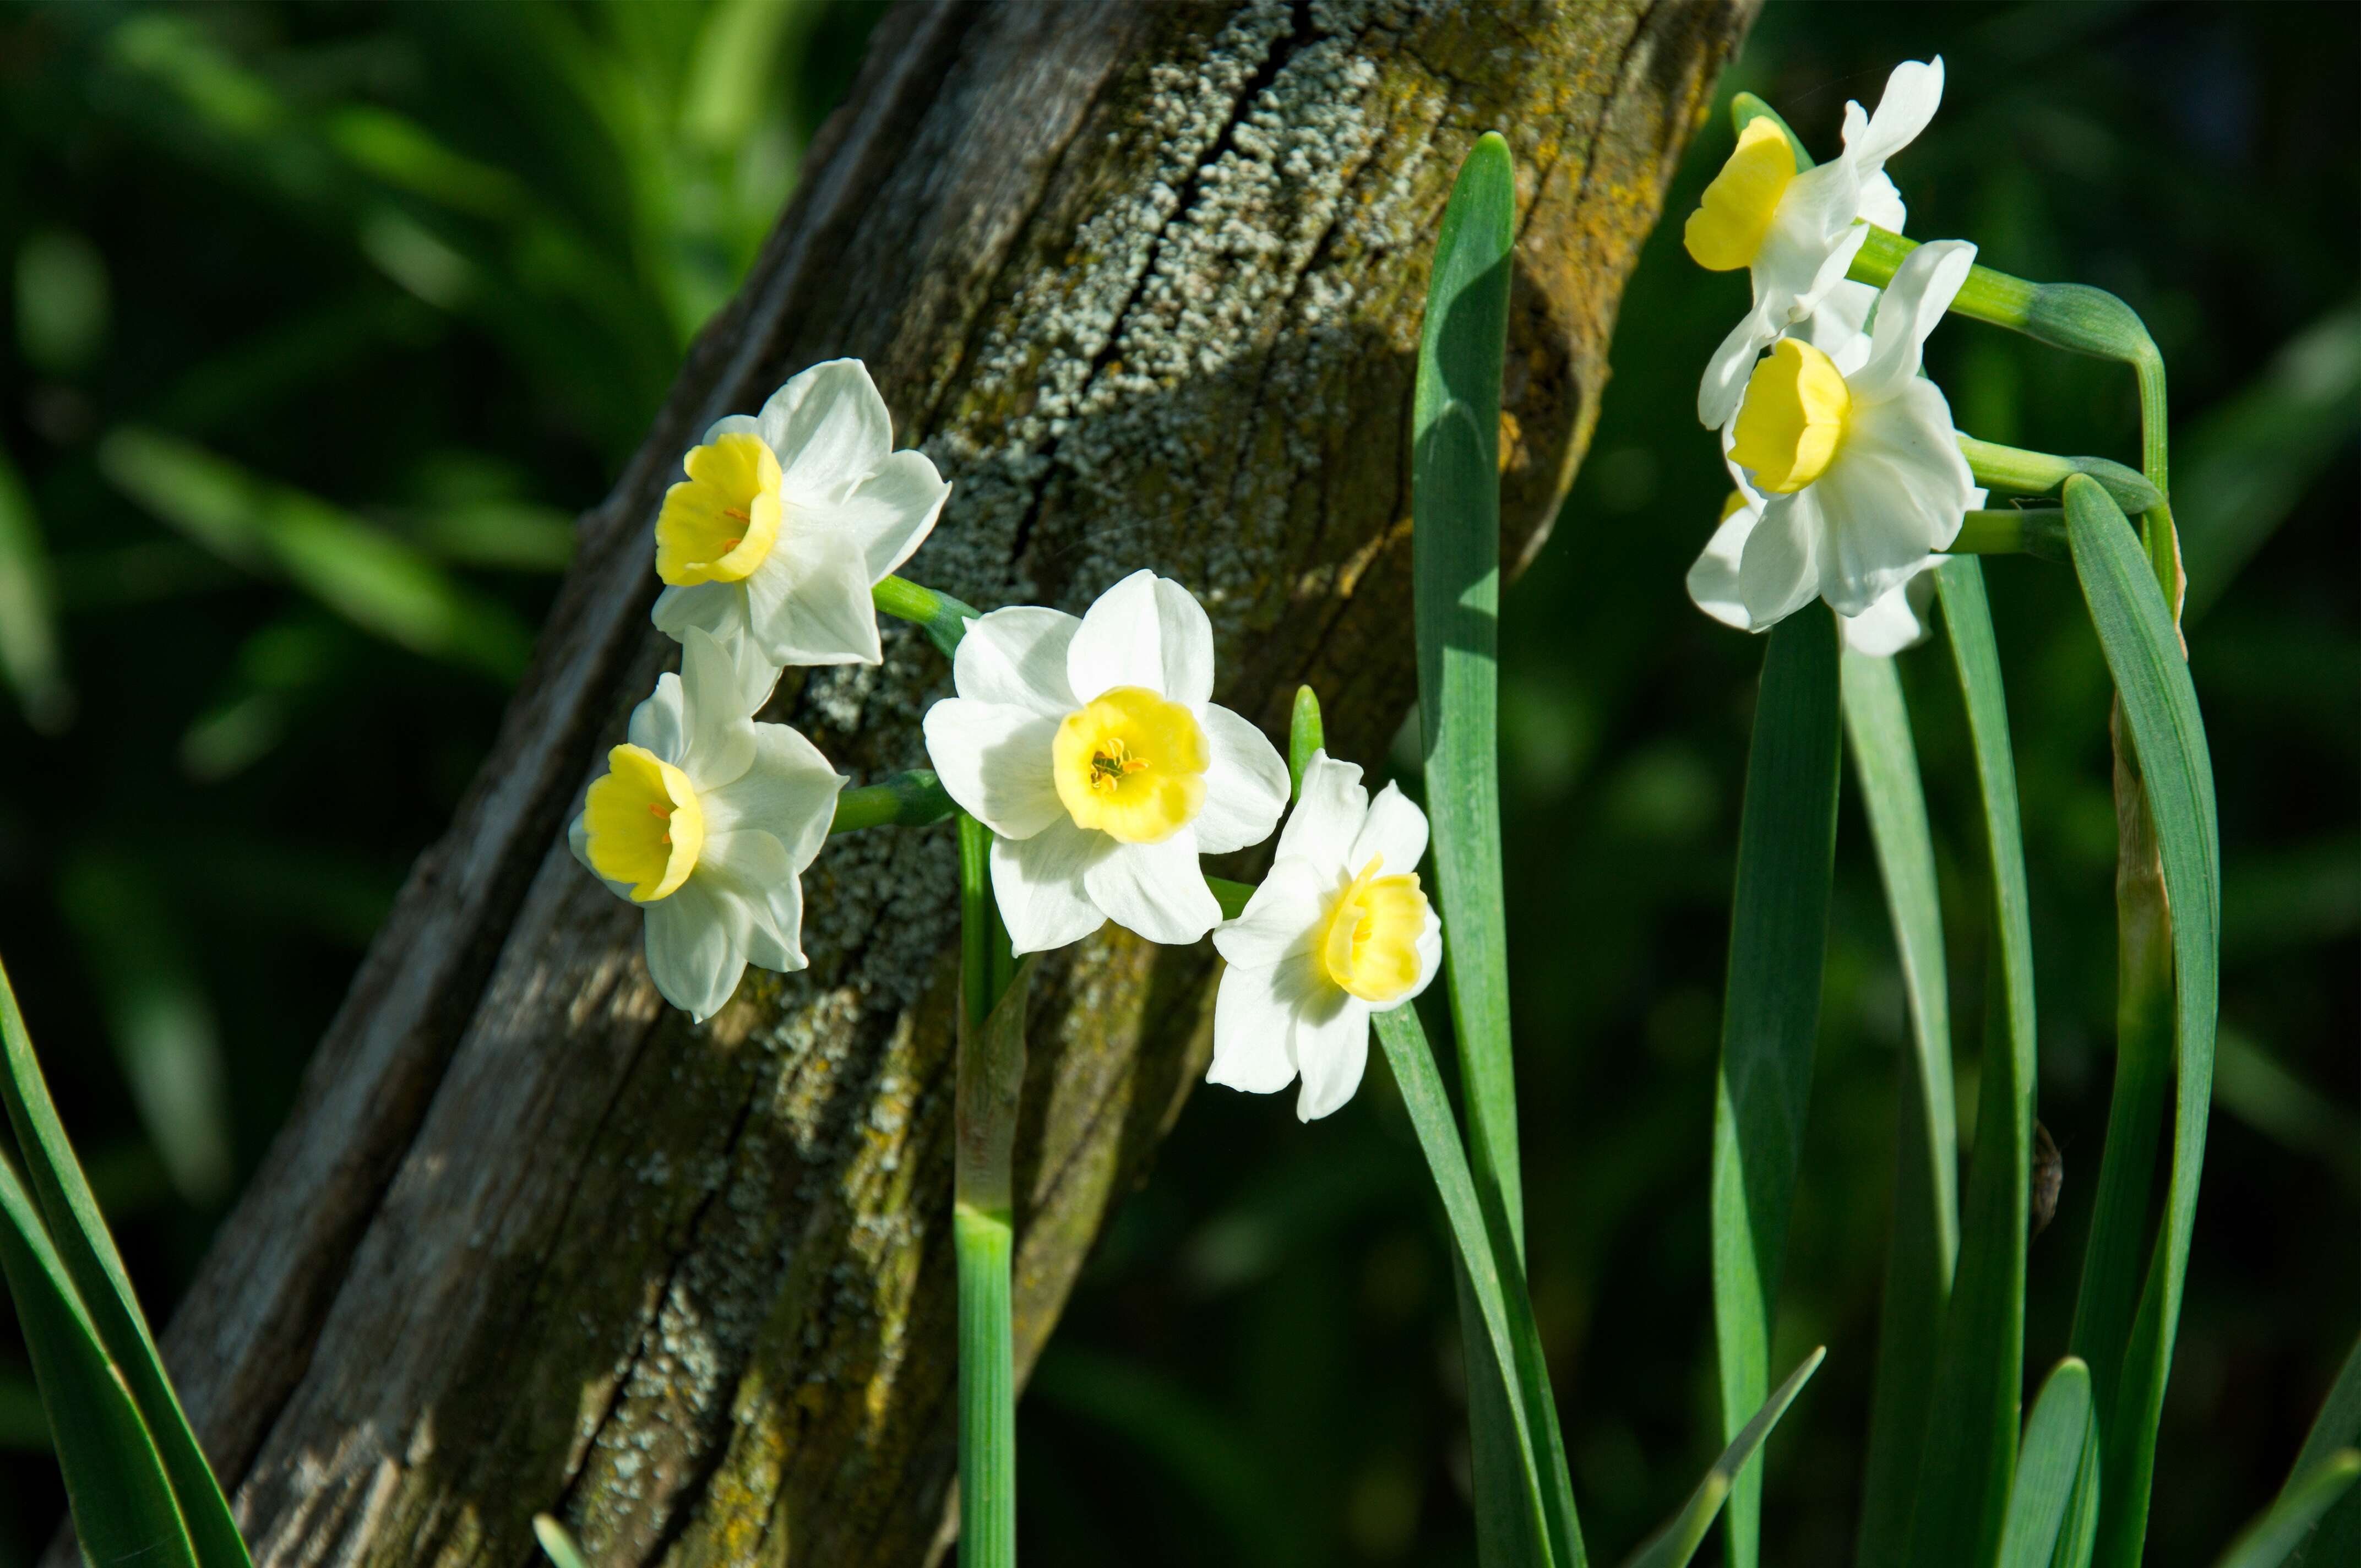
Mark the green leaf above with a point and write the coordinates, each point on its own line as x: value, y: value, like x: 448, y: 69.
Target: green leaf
x: 1778, y: 940
x: 1674, y: 1545
x: 1926, y: 1239
x: 2159, y: 705
x: 2273, y: 1538
x: 29, y: 656
x: 1544, y: 1520
x: 122, y: 1505
x: 82, y: 1251
x: 2337, y: 1427
x: 373, y: 579
x: 1962, y: 1491
x: 556, y: 1543
x: 2049, y: 1468
x: 1455, y: 565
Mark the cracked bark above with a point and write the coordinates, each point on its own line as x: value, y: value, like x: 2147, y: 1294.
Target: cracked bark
x: 1144, y: 282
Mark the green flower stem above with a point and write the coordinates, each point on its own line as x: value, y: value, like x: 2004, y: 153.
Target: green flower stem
x: 990, y: 1075
x: 944, y: 618
x: 905, y: 800
x: 2038, y: 472
x: 2012, y: 530
x: 1986, y: 296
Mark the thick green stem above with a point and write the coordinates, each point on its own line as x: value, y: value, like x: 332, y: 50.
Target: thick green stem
x: 990, y: 1073
x: 903, y: 800
x: 2038, y: 473
x: 2012, y: 530
x: 944, y: 618
x: 987, y: 1391
x: 1987, y: 296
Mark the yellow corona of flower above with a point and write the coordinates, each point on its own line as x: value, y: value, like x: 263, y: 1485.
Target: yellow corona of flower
x: 1793, y: 419
x: 1091, y: 749
x: 786, y: 521
x: 705, y: 821
x: 1338, y: 931
x: 1797, y: 231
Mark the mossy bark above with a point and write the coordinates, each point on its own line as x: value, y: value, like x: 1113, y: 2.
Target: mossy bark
x: 1145, y: 282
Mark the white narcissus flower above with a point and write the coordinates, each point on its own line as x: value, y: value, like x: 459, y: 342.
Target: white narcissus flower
x: 1339, y: 931
x: 1856, y: 456
x: 1797, y: 233
x: 1090, y: 748
x: 785, y: 522
x: 705, y: 821
x: 1897, y: 622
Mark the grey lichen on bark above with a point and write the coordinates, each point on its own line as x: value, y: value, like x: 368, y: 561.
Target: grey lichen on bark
x: 1145, y: 282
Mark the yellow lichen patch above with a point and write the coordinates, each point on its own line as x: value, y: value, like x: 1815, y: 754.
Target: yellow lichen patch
x: 1728, y: 227
x: 645, y: 824
x: 1794, y: 417
x: 718, y: 523
x: 1132, y: 766
x: 1370, y: 943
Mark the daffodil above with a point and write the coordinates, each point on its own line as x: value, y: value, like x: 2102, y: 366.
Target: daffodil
x: 706, y: 820
x: 1796, y: 233
x: 785, y: 522
x: 1340, y: 929
x: 1895, y: 622
x: 1091, y: 748
x: 1855, y: 457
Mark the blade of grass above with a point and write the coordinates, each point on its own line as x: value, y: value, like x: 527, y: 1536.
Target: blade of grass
x: 1926, y: 1237
x: 29, y: 655
x: 1503, y: 1312
x: 2160, y: 706
x: 122, y: 1507
x: 1455, y: 564
x: 2337, y: 1427
x: 2049, y: 1467
x: 1778, y: 940
x: 2272, y: 1540
x: 86, y: 1253
x: 1674, y: 1545
x: 1962, y: 1492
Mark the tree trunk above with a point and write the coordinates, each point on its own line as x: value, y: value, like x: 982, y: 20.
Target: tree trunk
x: 1144, y: 282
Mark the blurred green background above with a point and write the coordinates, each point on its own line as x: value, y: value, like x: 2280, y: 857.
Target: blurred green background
x: 322, y: 320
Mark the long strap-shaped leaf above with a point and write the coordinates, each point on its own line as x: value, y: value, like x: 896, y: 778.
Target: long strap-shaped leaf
x: 87, y: 1253
x: 1497, y: 1281
x: 1677, y: 1541
x: 1926, y: 1238
x: 1964, y: 1479
x: 2272, y: 1540
x: 2049, y: 1468
x: 1455, y: 565
x: 1778, y: 938
x: 2143, y: 652
x: 2338, y: 1537
x: 122, y: 1504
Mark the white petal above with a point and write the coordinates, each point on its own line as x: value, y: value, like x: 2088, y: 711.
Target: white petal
x: 1327, y: 813
x: 1430, y: 955
x: 1155, y: 890
x: 787, y: 791
x: 1811, y: 240
x: 1923, y: 288
x: 1279, y: 921
x: 1713, y: 579
x: 1254, y: 1030
x: 1838, y: 325
x: 657, y: 724
x: 808, y: 601
x: 1894, y: 622
x: 1245, y: 784
x: 888, y: 514
x: 757, y: 871
x: 994, y: 760
x: 830, y: 428
x: 1037, y: 883
x: 1779, y: 572
x: 719, y: 607
x: 1725, y: 373
x: 1018, y: 656
x: 1895, y: 495
x: 1146, y: 631
x: 1912, y: 93
x: 1396, y: 829
x: 732, y: 424
x: 1332, y: 1050
x: 1881, y: 205
x: 697, y: 943
x: 718, y: 725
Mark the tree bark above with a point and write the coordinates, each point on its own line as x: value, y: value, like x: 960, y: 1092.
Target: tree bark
x: 1144, y: 282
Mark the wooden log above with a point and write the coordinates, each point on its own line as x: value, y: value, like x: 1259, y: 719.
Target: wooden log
x: 1144, y: 282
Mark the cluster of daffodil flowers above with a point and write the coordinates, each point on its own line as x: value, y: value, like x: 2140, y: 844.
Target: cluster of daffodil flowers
x: 1089, y: 746
x: 1848, y: 473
